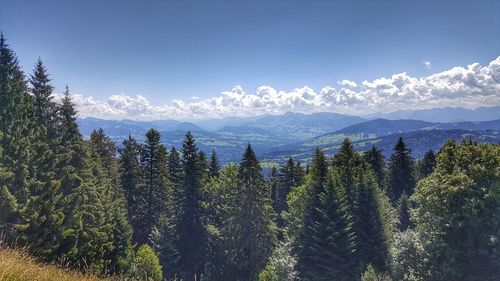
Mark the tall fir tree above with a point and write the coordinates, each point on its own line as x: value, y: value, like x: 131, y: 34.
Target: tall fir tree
x: 156, y: 185
x: 289, y: 178
x: 191, y: 237
x: 376, y: 160
x: 426, y: 165
x: 45, y: 108
x: 400, y: 177
x: 305, y: 243
x: 214, y: 166
x: 250, y: 230
x: 368, y: 223
x: 132, y: 182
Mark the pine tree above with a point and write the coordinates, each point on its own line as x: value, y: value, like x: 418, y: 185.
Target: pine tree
x: 71, y: 151
x: 214, y: 167
x: 174, y: 168
x: 156, y: 186
x: 191, y: 237
x: 403, y: 208
x: 331, y: 238
x: 104, y: 150
x: 400, y: 175
x: 304, y: 246
x: 13, y: 87
x: 426, y: 165
x: 250, y: 230
x: 289, y: 179
x: 45, y: 108
x: 131, y: 182
x: 90, y: 225
x: 368, y: 224
x: 376, y: 160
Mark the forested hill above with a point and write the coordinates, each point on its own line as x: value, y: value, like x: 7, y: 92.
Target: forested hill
x: 150, y: 211
x: 274, y: 138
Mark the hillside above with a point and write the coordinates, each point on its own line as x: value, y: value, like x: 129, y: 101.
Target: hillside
x: 18, y: 266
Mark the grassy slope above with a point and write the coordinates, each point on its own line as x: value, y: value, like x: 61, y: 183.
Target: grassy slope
x: 18, y: 266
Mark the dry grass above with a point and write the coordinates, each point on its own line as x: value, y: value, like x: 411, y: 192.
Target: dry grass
x: 16, y: 265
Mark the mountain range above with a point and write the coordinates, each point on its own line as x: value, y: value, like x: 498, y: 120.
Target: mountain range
x: 276, y: 137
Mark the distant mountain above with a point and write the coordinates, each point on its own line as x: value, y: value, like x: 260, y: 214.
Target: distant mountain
x: 382, y: 127
x: 275, y: 137
x: 418, y: 141
x: 446, y: 114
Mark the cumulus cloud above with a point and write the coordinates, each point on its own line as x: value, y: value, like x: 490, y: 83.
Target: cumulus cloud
x: 427, y: 64
x: 471, y: 86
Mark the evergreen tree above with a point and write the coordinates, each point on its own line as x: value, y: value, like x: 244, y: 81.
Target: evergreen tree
x: 376, y: 160
x: 274, y: 181
x: 45, y: 108
x: 403, y: 208
x: 191, y: 238
x: 214, y: 167
x: 174, y: 168
x: 289, y: 178
x: 400, y: 175
x: 89, y: 228
x: 131, y: 182
x: 250, y: 230
x: 13, y: 87
x: 426, y: 165
x: 305, y: 243
x: 156, y: 189
x: 369, y: 226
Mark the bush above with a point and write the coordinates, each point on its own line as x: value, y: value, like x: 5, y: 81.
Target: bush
x: 146, y: 266
x: 371, y: 275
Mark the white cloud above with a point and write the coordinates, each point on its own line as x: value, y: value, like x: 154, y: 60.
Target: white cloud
x: 470, y: 86
x: 427, y: 64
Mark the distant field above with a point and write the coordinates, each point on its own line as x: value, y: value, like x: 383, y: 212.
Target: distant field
x: 18, y: 266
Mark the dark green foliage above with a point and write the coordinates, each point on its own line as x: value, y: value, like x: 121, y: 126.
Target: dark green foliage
x: 376, y: 160
x: 290, y: 176
x: 131, y: 183
x: 249, y: 231
x: 45, y: 109
x: 457, y: 210
x: 190, y: 234
x: 214, y: 166
x: 426, y: 165
x: 156, y: 188
x: 400, y: 177
x: 305, y: 244
x: 371, y: 240
x: 403, y: 207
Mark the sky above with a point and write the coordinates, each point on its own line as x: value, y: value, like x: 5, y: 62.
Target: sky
x: 199, y: 59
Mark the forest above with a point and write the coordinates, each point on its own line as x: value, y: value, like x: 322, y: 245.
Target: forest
x: 144, y: 211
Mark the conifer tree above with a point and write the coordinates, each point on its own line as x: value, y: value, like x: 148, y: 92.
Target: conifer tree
x: 156, y: 186
x: 174, y: 168
x: 304, y: 246
x: 90, y: 225
x: 131, y: 182
x: 289, y: 178
x: 191, y: 237
x: 403, y: 208
x: 369, y: 228
x: 250, y: 230
x: 400, y: 175
x: 426, y: 165
x: 45, y: 108
x: 214, y: 167
x: 13, y: 87
x: 71, y: 151
x: 376, y: 160
x: 274, y: 181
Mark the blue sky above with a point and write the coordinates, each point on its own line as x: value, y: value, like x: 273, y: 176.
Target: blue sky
x: 165, y: 50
